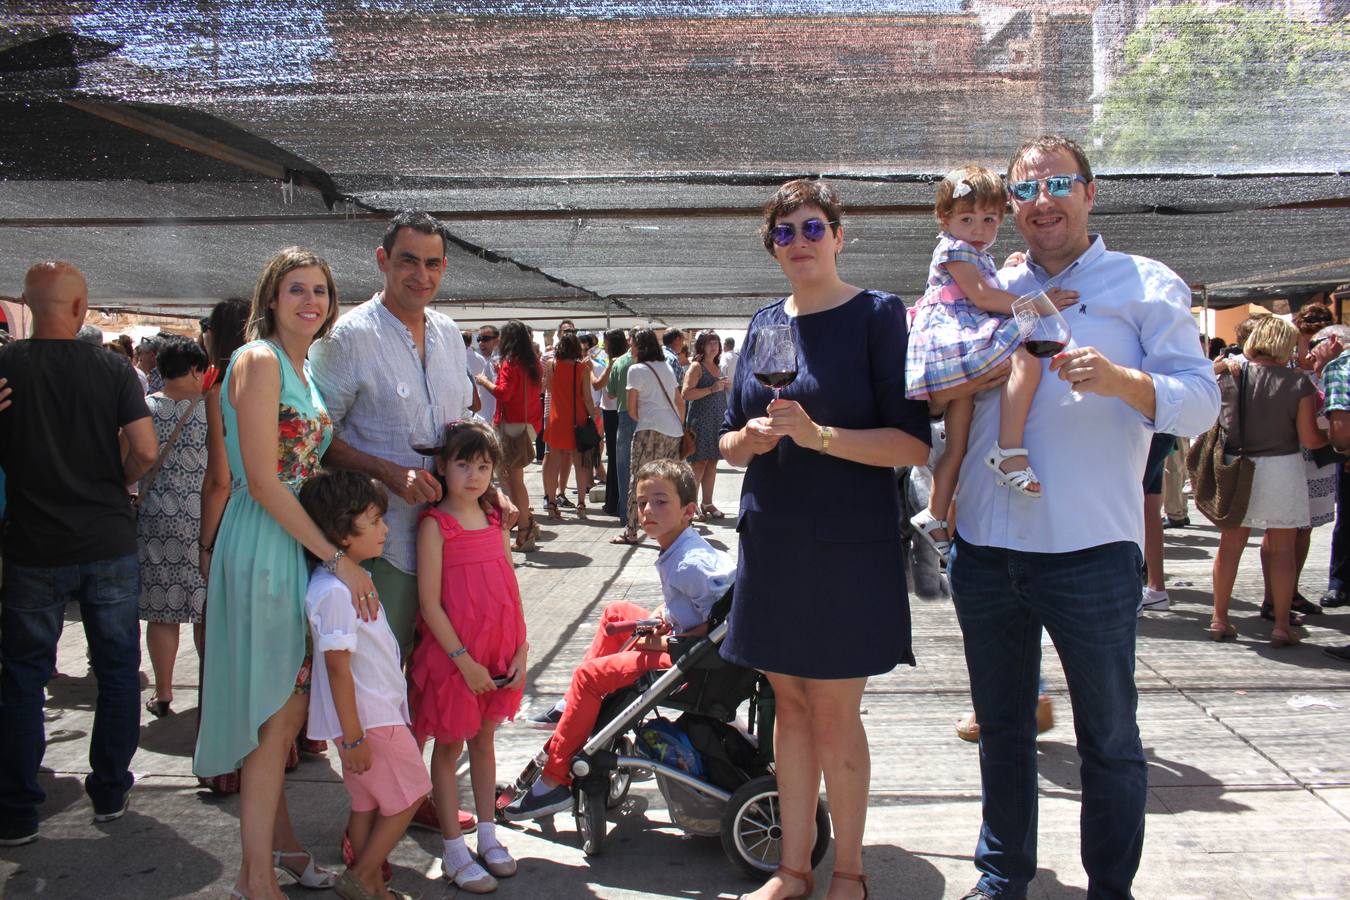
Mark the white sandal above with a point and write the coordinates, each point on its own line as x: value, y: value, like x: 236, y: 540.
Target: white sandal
x: 312, y: 877
x: 1019, y: 480
x: 473, y: 878
x: 925, y: 523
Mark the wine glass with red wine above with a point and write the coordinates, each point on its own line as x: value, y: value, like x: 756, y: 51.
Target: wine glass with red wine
x: 1045, y: 333
x: 426, y: 432
x: 775, y: 357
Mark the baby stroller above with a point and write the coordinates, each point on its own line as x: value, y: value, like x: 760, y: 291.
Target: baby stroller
x: 725, y: 787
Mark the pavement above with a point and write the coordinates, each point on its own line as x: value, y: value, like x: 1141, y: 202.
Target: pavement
x: 1249, y: 762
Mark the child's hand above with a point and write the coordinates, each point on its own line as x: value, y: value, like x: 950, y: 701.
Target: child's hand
x: 475, y: 675
x: 1015, y: 259
x: 517, y: 670
x: 356, y: 760
x: 1061, y: 298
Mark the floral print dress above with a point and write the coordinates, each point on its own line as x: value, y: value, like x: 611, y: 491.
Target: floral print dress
x: 256, y: 634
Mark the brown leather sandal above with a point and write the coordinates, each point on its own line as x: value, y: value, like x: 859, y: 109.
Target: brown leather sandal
x: 849, y: 876
x: 806, y: 878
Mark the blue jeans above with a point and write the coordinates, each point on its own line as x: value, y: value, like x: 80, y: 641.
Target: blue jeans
x: 1339, y: 579
x: 32, y: 609
x: 627, y: 428
x: 1086, y: 600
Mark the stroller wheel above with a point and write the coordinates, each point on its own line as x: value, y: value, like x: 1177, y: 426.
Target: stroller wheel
x: 590, y: 815
x: 752, y: 829
x: 620, y: 780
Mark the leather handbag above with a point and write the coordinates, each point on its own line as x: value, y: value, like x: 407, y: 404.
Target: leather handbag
x: 688, y: 440
x: 587, y: 436
x: 1222, y: 489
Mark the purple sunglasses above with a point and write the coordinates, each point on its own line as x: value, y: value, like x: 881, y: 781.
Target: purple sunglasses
x: 784, y: 233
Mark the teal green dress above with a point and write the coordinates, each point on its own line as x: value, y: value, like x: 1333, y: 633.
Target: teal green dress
x: 256, y: 650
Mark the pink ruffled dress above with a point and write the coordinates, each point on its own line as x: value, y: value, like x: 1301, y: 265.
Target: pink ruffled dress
x: 480, y: 595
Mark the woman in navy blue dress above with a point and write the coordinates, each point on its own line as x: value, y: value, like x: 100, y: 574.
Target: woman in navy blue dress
x: 820, y: 588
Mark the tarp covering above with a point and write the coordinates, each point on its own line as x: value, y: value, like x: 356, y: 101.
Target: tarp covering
x: 611, y: 154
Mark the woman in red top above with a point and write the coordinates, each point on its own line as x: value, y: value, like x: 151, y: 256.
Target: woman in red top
x: 519, y: 408
x: 567, y: 378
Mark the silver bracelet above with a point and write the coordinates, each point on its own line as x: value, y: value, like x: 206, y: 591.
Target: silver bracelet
x: 332, y: 564
x: 353, y: 745
x: 460, y: 652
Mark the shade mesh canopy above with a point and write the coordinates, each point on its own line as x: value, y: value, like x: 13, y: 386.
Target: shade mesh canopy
x: 612, y: 155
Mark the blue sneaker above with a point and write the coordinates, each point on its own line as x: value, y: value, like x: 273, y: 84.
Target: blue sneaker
x: 549, y: 718
x: 539, y: 806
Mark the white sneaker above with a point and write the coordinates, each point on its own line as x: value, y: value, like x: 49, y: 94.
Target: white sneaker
x: 1153, y: 601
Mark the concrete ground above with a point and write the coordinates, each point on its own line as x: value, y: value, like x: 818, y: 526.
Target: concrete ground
x: 1249, y: 775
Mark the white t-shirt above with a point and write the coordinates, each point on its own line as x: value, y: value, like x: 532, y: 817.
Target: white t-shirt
x: 728, y: 364
x: 480, y: 366
x: 381, y: 691
x: 654, y: 411
x: 601, y: 395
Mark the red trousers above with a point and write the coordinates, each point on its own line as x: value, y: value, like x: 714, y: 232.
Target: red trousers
x: 604, y: 671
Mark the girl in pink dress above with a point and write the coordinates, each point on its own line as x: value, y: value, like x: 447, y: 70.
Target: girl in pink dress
x: 468, y: 671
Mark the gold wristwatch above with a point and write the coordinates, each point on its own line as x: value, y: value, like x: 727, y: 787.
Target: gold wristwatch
x: 826, y: 432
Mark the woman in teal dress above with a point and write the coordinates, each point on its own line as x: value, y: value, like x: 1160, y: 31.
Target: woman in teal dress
x: 255, y: 688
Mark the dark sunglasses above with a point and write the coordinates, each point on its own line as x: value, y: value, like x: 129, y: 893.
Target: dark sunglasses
x: 1055, y: 186
x: 784, y: 233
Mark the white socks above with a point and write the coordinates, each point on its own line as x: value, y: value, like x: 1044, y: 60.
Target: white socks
x: 486, y: 836
x: 456, y: 853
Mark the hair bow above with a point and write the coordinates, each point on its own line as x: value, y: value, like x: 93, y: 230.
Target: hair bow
x: 962, y: 188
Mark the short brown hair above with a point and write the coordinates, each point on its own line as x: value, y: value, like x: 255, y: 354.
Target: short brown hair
x: 646, y: 347
x: 335, y: 498
x: 793, y: 196
x: 1051, y: 143
x: 262, y: 321
x: 983, y: 189
x: 1244, y: 328
x: 1273, y: 338
x: 677, y: 472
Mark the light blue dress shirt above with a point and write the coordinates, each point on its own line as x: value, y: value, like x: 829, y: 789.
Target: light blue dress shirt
x: 374, y: 383
x: 694, y: 576
x: 1089, y: 456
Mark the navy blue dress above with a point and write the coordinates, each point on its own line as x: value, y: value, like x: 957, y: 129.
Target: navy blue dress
x: 820, y: 583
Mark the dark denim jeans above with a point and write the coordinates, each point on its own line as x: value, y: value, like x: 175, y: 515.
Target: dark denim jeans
x: 1086, y: 600
x: 627, y: 427
x: 32, y: 607
x: 1339, y: 578
x: 611, y: 417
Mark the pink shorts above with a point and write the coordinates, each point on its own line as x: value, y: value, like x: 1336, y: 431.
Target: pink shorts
x: 397, y: 777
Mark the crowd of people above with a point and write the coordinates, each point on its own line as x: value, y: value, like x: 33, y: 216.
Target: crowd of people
x: 333, y: 503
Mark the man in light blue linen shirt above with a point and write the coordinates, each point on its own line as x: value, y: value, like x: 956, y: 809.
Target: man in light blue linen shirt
x: 380, y: 370
x: 1069, y: 560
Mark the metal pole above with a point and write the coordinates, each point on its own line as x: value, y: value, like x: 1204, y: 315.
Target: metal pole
x: 1204, y: 301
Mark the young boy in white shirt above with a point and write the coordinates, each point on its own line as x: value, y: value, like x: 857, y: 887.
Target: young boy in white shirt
x: 358, y: 696
x: 694, y: 576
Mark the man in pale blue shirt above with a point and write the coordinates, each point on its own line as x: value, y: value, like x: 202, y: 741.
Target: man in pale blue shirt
x: 1069, y: 560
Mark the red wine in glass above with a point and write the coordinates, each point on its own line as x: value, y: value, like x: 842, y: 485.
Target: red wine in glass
x: 1044, y: 331
x: 776, y: 380
x: 774, y: 359
x: 1043, y: 349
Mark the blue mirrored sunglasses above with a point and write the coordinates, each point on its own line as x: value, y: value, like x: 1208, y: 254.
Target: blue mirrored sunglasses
x: 813, y: 230
x: 1055, y: 186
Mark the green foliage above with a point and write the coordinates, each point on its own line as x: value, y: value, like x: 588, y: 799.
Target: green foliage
x: 1228, y: 88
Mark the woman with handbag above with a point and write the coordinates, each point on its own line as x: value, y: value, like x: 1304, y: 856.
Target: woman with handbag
x: 655, y: 401
x: 1268, y: 415
x: 168, y: 520
x: 519, y: 419
x: 571, y: 407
